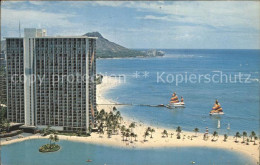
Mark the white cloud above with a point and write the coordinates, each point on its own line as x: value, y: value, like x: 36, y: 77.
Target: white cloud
x: 33, y: 18
x: 160, y: 23
x: 37, y: 2
x: 218, y: 14
x: 152, y: 17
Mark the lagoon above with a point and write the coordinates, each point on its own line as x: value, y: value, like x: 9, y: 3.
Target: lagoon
x: 26, y: 152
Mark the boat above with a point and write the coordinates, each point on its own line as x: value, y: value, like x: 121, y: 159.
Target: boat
x: 89, y: 160
x: 218, y: 124
x: 174, y: 102
x: 228, y: 127
x: 160, y: 105
x: 216, y: 110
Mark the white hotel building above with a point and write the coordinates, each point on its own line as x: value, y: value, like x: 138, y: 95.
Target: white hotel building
x: 41, y: 78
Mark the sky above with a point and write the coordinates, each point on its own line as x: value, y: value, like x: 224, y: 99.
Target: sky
x: 157, y: 24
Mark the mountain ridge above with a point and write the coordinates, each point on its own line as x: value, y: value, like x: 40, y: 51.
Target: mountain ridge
x: 109, y: 49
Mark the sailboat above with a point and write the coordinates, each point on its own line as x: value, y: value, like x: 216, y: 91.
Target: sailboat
x: 218, y: 124
x: 228, y: 127
x: 174, y: 102
x: 216, y: 110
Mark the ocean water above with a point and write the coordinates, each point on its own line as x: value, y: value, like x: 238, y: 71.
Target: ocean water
x: 26, y: 152
x: 239, y: 98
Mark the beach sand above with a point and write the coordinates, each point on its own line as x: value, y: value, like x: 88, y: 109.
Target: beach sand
x: 157, y: 141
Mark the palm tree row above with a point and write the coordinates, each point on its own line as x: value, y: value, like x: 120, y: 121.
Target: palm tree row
x: 128, y: 132
x: 237, y: 135
x: 244, y: 135
x: 109, y: 121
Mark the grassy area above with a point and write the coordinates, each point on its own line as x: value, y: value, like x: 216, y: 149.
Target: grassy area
x: 49, y: 148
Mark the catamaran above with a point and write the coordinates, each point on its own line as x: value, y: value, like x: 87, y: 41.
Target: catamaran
x: 218, y: 124
x: 174, y: 102
x: 216, y: 110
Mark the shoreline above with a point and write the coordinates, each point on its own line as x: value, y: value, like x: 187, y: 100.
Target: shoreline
x: 252, y: 151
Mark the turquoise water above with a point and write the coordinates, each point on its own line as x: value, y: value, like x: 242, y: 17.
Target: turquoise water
x: 26, y: 153
x: 240, y: 100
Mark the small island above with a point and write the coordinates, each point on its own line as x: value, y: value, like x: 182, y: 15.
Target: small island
x: 52, y: 147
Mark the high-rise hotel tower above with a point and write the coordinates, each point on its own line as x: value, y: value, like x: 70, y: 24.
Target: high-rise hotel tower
x: 51, y: 81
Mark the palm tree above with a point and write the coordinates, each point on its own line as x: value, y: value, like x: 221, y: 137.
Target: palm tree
x: 196, y: 130
x: 120, y: 118
x: 215, y: 134
x: 252, y: 135
x: 132, y: 135
x: 132, y: 125
x: 51, y: 139
x: 102, y: 111
x: 100, y: 129
x: 237, y: 135
x: 255, y: 138
x: 225, y: 137
x: 247, y: 141
x: 118, y: 115
x: 127, y: 134
x: 123, y: 135
x: 179, y: 131
x: 244, y: 135
x: 109, y: 133
x: 55, y: 139
x: 122, y: 129
x: 148, y: 129
x: 114, y: 109
x: 115, y: 125
x: 135, y: 136
x: 146, y: 134
x: 128, y: 130
x: 165, y: 133
x: 99, y: 117
x: 152, y: 130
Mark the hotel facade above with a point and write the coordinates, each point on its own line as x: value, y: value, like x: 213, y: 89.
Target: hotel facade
x: 51, y: 81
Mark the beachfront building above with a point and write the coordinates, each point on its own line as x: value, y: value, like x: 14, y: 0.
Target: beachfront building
x: 2, y: 78
x: 58, y: 87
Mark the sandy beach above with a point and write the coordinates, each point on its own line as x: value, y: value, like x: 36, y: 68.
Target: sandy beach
x: 157, y: 141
